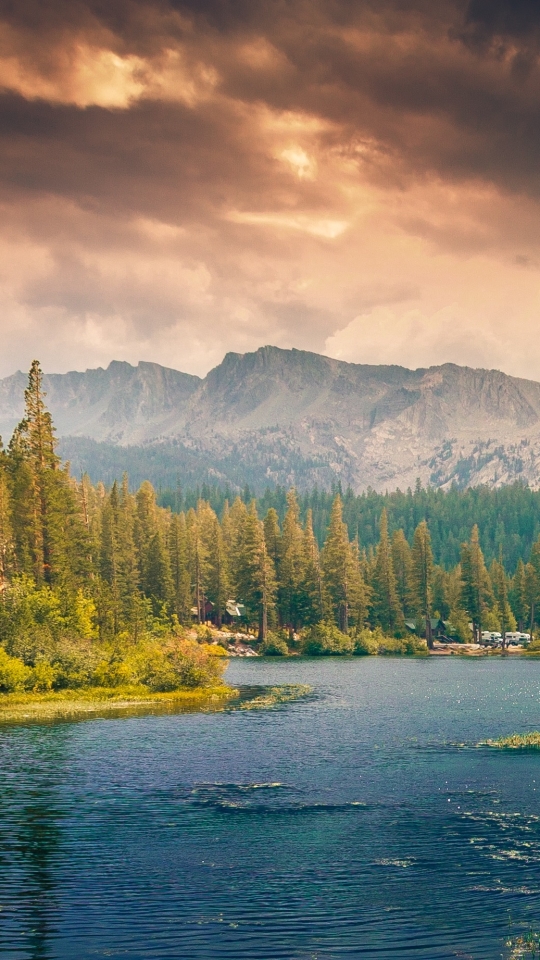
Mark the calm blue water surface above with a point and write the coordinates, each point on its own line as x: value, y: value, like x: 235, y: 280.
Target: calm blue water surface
x: 362, y: 822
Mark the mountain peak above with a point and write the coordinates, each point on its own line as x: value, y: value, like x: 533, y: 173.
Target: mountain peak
x: 296, y: 417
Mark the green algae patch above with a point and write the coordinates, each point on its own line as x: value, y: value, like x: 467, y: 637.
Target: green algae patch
x: 275, y: 695
x: 103, y: 701
x: 516, y: 741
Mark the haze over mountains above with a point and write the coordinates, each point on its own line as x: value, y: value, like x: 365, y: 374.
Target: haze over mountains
x: 293, y: 417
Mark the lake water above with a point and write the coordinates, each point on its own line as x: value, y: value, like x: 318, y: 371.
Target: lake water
x: 363, y: 822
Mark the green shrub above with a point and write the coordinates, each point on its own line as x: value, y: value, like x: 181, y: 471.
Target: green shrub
x: 178, y: 663
x: 43, y: 677
x: 75, y: 662
x: 14, y: 674
x: 366, y: 642
x: 274, y: 646
x: 326, y: 640
x: 113, y: 673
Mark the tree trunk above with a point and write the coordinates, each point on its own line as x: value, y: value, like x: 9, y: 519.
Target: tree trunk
x: 429, y: 635
x: 263, y: 622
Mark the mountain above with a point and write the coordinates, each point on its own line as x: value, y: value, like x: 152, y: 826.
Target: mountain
x: 294, y: 417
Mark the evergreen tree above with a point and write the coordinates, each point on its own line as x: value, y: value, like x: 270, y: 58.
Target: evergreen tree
x: 158, y: 578
x: 313, y: 603
x: 387, y: 612
x: 342, y: 577
x: 6, y: 534
x: 254, y: 573
x: 290, y: 566
x: 422, y: 576
x: 216, y: 583
x: 50, y: 516
x: 519, y: 602
x: 197, y: 558
x: 181, y: 581
x: 534, y: 583
x: 476, y: 591
x: 402, y: 563
x: 499, y: 582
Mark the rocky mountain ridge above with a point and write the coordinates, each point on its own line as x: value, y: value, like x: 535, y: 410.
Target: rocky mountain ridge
x: 290, y: 416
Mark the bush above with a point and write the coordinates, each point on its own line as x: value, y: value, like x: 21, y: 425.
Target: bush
x: 274, y: 646
x: 112, y: 673
x: 325, y: 640
x: 75, y: 662
x: 178, y: 663
x: 366, y: 642
x: 14, y: 674
x: 43, y: 677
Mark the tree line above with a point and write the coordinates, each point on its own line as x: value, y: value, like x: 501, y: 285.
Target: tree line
x: 507, y: 517
x: 112, y: 563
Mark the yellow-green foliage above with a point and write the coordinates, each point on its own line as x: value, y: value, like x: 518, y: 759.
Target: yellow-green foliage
x: 326, y: 640
x: 215, y: 650
x: 517, y: 741
x: 374, y: 642
x: 277, y: 695
x: 14, y: 674
x: 275, y: 645
x: 171, y: 663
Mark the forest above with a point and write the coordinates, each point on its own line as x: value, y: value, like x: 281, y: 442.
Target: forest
x: 108, y: 586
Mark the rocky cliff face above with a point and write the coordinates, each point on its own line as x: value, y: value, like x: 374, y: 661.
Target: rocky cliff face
x: 289, y: 416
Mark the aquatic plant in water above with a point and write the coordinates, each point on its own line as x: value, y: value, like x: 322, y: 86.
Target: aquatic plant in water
x: 517, y: 741
x: 277, y: 695
x: 527, y: 945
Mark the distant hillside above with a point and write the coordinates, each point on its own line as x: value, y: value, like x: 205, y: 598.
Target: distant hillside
x: 292, y: 417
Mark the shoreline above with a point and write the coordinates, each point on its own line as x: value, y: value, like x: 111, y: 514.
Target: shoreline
x: 104, y: 701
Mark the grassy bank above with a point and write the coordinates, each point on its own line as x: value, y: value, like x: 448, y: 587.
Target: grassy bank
x: 97, y: 701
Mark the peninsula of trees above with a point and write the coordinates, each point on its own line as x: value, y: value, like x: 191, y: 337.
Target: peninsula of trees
x: 87, y: 575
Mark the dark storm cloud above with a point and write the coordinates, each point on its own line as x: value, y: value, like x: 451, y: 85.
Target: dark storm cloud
x: 412, y: 69
x: 211, y: 162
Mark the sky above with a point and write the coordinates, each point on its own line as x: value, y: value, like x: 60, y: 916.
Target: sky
x: 181, y: 179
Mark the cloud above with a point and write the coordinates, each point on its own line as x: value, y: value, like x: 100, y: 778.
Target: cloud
x: 178, y: 179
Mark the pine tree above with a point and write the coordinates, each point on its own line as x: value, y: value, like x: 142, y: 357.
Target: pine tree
x: 6, y: 534
x: 402, y: 563
x: 339, y: 566
x: 178, y: 552
x: 359, y: 592
x: 272, y: 537
x: 254, y: 573
x: 534, y: 583
x: 519, y: 602
x: 35, y: 465
x: 313, y: 602
x: 290, y: 566
x: 500, y: 589
x: 387, y: 612
x: 216, y: 573
x: 477, y: 594
x: 158, y: 579
x: 422, y: 576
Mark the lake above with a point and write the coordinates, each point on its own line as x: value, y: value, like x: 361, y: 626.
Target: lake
x: 361, y: 822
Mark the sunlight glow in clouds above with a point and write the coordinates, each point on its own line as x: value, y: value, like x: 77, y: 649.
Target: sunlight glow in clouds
x: 178, y: 180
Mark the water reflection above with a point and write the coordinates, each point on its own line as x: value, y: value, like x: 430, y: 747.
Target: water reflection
x: 347, y: 825
x: 30, y: 839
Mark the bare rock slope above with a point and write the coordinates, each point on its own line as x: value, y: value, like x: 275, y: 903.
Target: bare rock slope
x: 289, y: 416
